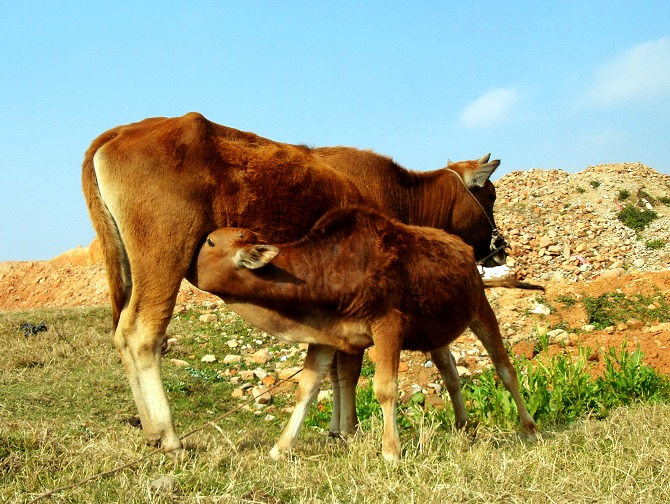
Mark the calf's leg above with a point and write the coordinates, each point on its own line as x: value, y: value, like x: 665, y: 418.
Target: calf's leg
x: 317, y: 363
x: 446, y: 364
x: 487, y: 330
x: 387, y: 336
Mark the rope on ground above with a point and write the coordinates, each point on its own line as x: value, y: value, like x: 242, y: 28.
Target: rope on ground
x: 158, y: 450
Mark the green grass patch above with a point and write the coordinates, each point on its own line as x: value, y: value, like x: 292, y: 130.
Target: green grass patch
x: 656, y: 244
x: 609, y: 309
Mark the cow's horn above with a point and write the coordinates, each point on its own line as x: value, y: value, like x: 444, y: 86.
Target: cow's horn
x: 485, y: 159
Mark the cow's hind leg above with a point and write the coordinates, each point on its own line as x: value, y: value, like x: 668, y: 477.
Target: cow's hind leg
x: 486, y: 329
x: 139, y: 338
x: 344, y: 375
x: 445, y: 363
x: 317, y: 362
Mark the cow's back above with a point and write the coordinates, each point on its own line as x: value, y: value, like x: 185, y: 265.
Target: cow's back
x: 178, y: 168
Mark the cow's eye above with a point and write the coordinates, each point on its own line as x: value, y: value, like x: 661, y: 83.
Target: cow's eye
x: 210, y: 242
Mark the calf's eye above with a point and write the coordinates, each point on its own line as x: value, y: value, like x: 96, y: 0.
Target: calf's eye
x: 210, y: 242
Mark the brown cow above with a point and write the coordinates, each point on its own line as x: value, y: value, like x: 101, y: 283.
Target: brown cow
x: 155, y: 188
x: 356, y: 280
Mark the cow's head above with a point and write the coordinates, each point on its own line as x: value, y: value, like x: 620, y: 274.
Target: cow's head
x: 223, y: 254
x: 472, y: 217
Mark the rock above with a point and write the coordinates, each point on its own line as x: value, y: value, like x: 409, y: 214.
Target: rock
x: 525, y: 349
x: 167, y: 485
x: 260, y: 373
x: 179, y: 362
x: 208, y: 359
x: 247, y: 375
x: 463, y: 371
x: 232, y: 359
x: 290, y: 374
x: 261, y: 356
x: 237, y: 393
x: 208, y: 318
x: 261, y: 395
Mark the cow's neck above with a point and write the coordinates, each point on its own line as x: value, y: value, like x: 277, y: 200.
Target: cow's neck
x: 429, y: 200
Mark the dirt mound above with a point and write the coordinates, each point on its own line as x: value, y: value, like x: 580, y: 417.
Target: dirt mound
x: 564, y: 231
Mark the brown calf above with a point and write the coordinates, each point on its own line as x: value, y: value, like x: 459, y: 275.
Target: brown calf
x: 358, y: 279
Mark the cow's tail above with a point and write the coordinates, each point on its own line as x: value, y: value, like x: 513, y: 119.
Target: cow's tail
x: 111, y: 242
x: 510, y: 283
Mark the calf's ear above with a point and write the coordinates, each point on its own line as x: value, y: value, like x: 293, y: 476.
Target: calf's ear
x: 255, y: 256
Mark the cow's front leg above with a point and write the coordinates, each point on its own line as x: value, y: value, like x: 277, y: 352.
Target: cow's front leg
x: 344, y: 375
x: 317, y: 362
x: 445, y: 363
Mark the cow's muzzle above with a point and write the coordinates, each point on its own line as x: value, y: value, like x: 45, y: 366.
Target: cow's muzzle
x: 498, y: 255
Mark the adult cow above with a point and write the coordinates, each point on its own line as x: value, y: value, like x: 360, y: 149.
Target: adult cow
x: 155, y: 188
x: 356, y: 280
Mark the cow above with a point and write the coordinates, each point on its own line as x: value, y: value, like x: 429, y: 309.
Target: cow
x: 154, y: 189
x: 357, y: 279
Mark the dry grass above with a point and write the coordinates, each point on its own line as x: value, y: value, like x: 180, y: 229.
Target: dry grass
x: 63, y: 400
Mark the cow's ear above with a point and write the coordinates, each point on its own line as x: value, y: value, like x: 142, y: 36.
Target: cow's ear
x: 479, y: 176
x: 255, y: 256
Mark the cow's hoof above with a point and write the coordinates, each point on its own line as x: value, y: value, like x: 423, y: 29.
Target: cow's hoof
x: 276, y: 453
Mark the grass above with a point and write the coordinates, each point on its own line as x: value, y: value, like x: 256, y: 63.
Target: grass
x: 610, y: 309
x: 64, y: 405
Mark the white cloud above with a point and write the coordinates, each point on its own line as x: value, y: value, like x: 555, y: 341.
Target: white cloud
x: 643, y: 71
x: 490, y: 109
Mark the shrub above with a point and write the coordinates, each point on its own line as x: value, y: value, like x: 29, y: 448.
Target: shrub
x: 595, y: 184
x: 635, y: 218
x: 624, y: 194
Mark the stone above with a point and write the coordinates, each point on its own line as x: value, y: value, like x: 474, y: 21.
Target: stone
x: 179, y: 362
x: 463, y: 371
x: 260, y: 373
x: 232, y: 359
x: 288, y: 374
x: 261, y: 356
x: 208, y: 359
x: 261, y: 395
x: 208, y: 318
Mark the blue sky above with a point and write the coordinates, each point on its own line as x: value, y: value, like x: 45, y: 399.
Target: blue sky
x: 539, y: 84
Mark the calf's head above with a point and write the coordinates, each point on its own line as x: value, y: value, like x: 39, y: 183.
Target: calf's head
x: 472, y: 218
x: 224, y: 255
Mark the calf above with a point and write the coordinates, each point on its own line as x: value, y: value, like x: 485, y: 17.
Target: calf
x: 357, y: 279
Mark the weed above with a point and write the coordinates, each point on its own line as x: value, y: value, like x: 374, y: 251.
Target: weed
x: 566, y: 300
x: 656, y: 244
x: 595, y: 184
x: 635, y: 218
x: 624, y: 194
x: 665, y: 200
x: 580, y: 190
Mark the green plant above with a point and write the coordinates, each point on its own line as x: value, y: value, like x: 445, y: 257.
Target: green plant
x: 624, y: 194
x: 580, y: 190
x: 665, y: 200
x: 656, y: 244
x: 635, y: 218
x: 595, y: 184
